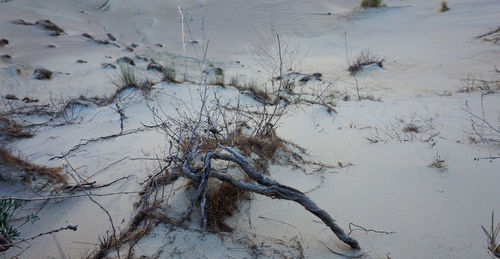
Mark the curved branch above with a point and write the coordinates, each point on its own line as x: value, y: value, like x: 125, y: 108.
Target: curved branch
x: 269, y: 188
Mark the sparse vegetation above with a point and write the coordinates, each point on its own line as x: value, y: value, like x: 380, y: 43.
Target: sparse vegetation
x: 98, y: 41
x: 126, y: 60
x: 169, y: 73
x: 365, y: 58
x: 10, y: 129
x: 484, y: 129
x: 438, y: 163
x: 492, y: 235
x: 4, y: 42
x: 128, y: 78
x: 42, y: 74
x: 444, y: 7
x: 8, y: 233
x: 219, y: 78
x: 473, y: 84
x: 52, y: 174
x: 251, y: 88
x: 288, y: 85
x: 50, y: 26
x: 371, y: 3
x: 411, y: 128
x: 407, y: 130
x: 44, y: 24
x: 234, y: 80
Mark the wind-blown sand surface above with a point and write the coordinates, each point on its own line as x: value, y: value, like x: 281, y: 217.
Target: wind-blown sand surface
x: 382, y: 179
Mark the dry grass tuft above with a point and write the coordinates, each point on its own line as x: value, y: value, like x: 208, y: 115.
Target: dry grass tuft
x: 251, y: 88
x: 10, y: 129
x: 44, y: 24
x: 438, y: 163
x: 128, y: 78
x: 473, y: 84
x: 50, y: 26
x: 222, y: 202
x: 169, y: 73
x: 492, y: 236
x: 52, y: 174
x: 411, y: 128
x: 365, y: 58
x: 219, y: 78
x: 371, y: 3
x: 444, y: 7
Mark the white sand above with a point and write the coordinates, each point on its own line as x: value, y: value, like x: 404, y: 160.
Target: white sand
x: 435, y: 214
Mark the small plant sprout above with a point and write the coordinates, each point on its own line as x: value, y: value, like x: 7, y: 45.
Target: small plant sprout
x: 9, y: 232
x: 438, y: 163
x: 492, y: 236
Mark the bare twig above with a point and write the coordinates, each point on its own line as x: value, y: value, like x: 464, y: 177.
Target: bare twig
x: 68, y: 227
x: 57, y: 197
x: 84, y: 142
x: 358, y: 227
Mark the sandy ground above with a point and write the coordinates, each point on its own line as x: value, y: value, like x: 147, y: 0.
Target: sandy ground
x: 428, y: 55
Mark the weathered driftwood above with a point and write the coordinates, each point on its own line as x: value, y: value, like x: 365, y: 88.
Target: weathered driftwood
x: 262, y: 186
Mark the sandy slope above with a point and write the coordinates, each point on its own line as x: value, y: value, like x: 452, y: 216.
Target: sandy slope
x: 435, y: 213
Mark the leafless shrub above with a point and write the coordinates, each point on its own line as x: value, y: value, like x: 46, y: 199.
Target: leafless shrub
x: 483, y: 129
x: 223, y: 153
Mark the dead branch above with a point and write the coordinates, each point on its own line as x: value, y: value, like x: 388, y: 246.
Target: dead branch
x: 267, y: 187
x: 491, y: 158
x: 84, y: 142
x: 91, y: 185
